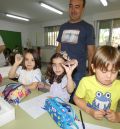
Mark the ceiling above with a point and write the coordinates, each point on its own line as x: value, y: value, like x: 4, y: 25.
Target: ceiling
x: 31, y: 9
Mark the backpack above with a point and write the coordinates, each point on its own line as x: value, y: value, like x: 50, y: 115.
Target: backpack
x: 61, y: 112
x: 15, y: 92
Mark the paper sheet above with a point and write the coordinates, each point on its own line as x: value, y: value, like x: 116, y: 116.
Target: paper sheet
x: 90, y: 126
x: 4, y: 71
x: 34, y: 106
x: 2, y: 88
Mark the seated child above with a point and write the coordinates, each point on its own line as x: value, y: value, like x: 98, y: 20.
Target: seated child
x: 98, y: 95
x: 26, y: 69
x: 59, y: 76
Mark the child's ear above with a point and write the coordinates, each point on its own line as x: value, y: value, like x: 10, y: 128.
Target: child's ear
x: 93, y: 69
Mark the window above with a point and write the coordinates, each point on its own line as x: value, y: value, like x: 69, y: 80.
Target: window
x: 51, y: 34
x: 109, y: 32
x: 104, y: 32
x: 115, y: 38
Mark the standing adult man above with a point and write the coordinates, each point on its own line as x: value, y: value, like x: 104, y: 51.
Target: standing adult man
x: 77, y: 38
x: 2, y: 57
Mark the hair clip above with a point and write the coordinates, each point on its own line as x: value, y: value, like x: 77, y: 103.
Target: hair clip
x: 65, y: 55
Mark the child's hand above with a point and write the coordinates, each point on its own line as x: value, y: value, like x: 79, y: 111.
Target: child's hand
x: 49, y: 97
x: 18, y: 59
x: 41, y: 85
x: 1, y: 94
x: 98, y: 114
x: 112, y: 116
x: 73, y: 63
x: 69, y: 66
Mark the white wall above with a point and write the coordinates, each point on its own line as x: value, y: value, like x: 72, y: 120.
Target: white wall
x: 46, y: 53
x: 107, y: 15
x: 35, y: 32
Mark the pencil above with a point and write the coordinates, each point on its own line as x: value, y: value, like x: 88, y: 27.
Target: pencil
x: 83, y: 125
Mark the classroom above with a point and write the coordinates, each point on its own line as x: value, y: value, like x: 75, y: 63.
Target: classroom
x: 39, y: 30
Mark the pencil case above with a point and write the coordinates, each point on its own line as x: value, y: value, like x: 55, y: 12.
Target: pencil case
x: 61, y: 112
x: 15, y: 92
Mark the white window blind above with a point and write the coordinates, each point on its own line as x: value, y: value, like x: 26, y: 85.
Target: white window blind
x: 51, y: 34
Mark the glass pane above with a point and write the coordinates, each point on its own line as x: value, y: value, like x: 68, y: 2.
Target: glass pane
x: 104, y: 36
x: 51, y: 34
x: 115, y: 41
x: 116, y: 23
x: 48, y: 38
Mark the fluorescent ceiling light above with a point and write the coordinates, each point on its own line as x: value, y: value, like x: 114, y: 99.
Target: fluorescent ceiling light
x: 17, y: 17
x: 51, y: 8
x: 104, y: 2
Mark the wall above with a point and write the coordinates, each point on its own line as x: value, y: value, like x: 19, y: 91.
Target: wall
x: 34, y: 33
x: 107, y: 15
x: 46, y: 53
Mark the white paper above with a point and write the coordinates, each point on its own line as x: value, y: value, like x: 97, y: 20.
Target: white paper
x: 7, y: 112
x: 2, y: 88
x: 34, y: 106
x: 90, y: 126
x: 4, y: 71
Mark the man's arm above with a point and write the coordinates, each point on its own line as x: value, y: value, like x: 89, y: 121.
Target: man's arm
x: 58, y: 49
x: 91, y: 51
x: 2, y: 47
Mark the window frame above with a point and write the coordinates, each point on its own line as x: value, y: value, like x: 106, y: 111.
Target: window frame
x: 110, y: 31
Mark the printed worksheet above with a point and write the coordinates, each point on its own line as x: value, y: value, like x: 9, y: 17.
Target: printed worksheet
x: 89, y: 126
x: 2, y: 88
x: 34, y: 106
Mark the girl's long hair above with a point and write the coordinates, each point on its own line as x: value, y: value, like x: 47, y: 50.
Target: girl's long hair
x: 50, y: 75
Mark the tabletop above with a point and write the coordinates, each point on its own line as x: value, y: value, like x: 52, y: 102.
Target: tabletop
x: 23, y: 120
